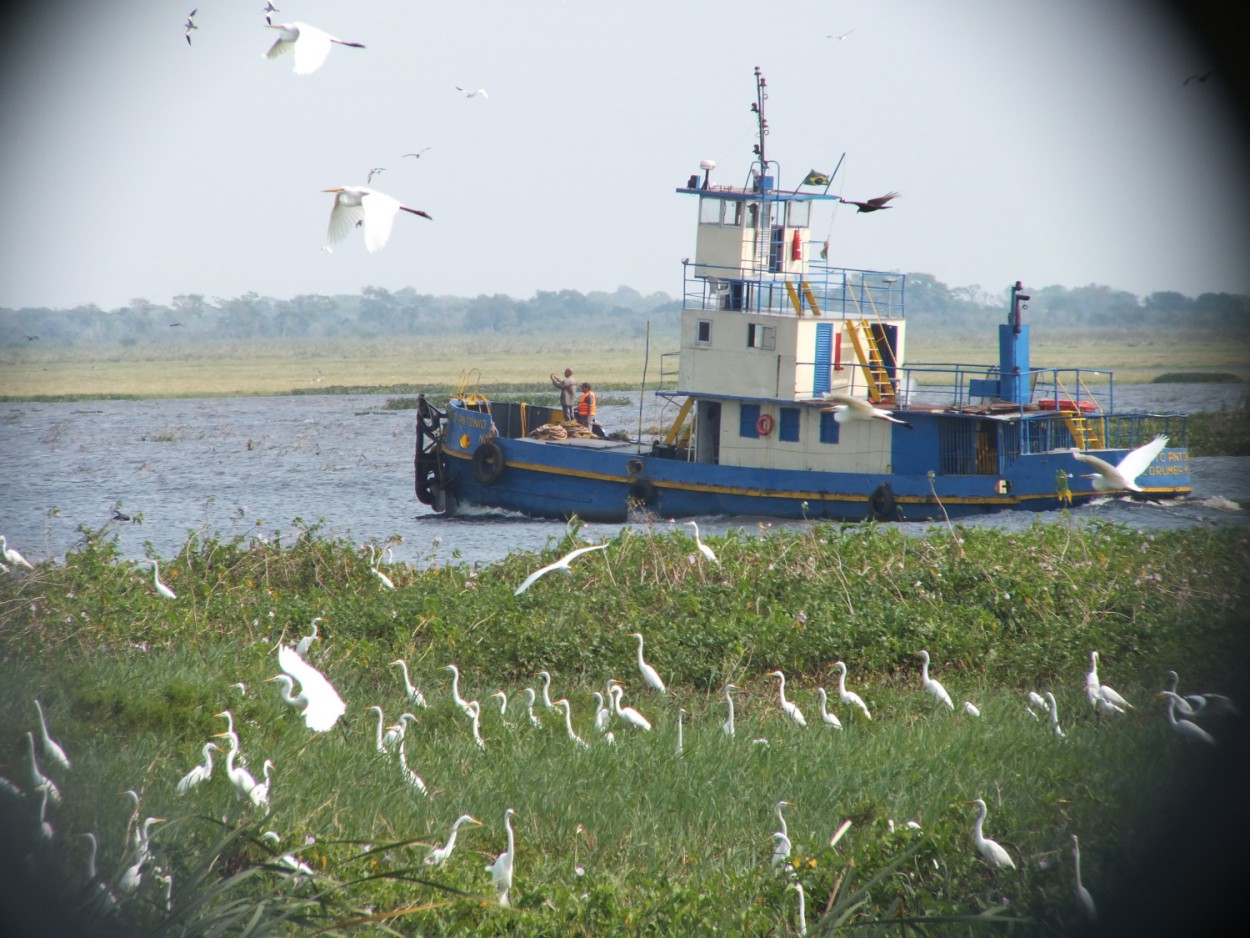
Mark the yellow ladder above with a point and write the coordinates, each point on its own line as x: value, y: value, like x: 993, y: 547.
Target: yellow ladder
x: 868, y: 351
x: 1086, y: 433
x: 797, y: 302
x: 679, y: 428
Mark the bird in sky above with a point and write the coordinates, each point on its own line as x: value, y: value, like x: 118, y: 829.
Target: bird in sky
x: 841, y: 36
x: 417, y: 155
x: 322, y: 704
x: 269, y: 8
x: 373, y: 171
x: 1123, y: 475
x: 562, y: 564
x: 474, y: 92
x: 849, y: 697
x: 872, y: 205
x: 932, y: 686
x: 311, y: 45
x: 846, y: 408
x: 994, y: 852
x: 439, y: 855
x: 377, y: 210
x: 649, y: 674
x: 190, y: 24
x: 1199, y: 78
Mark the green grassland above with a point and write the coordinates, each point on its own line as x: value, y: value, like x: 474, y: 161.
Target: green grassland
x: 631, y: 838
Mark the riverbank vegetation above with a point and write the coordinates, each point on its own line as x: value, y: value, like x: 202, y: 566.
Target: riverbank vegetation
x: 632, y: 838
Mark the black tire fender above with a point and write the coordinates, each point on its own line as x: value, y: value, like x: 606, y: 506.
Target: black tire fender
x: 487, y: 462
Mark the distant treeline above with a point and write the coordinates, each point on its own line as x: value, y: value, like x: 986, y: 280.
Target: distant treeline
x: 624, y: 313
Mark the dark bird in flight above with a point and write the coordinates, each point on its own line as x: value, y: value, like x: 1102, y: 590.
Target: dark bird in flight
x: 1198, y: 78
x: 418, y: 153
x: 31, y: 338
x: 191, y: 24
x: 172, y: 324
x: 873, y: 205
x: 373, y: 172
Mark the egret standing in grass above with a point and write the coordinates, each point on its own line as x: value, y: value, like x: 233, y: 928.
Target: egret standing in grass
x: 1186, y: 728
x: 306, y: 642
x: 475, y: 715
x: 932, y: 686
x: 789, y: 707
x: 530, y: 698
x: 681, y: 712
x: 802, y: 924
x: 51, y: 748
x: 1083, y: 898
x: 627, y: 714
x: 501, y: 869
x: 396, y: 732
x: 39, y: 781
x: 311, y: 45
x: 649, y: 674
x: 830, y: 718
x: 240, y: 778
x: 156, y: 580
x: 200, y: 773
x: 728, y: 726
x: 846, y: 696
x: 1054, y: 714
x: 1101, y: 696
x: 455, y: 690
x: 439, y: 855
x: 12, y: 556
x: 994, y: 853
x: 603, y: 715
x: 781, y: 851
x: 1123, y: 475
x: 413, y: 692
x: 546, y: 690
x: 562, y: 565
x: 563, y: 703
x: 703, y: 548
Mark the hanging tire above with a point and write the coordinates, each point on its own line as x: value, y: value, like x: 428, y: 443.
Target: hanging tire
x: 881, y: 503
x: 488, y: 463
x: 642, y: 491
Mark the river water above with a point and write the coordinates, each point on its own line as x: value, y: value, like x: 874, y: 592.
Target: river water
x: 251, y: 466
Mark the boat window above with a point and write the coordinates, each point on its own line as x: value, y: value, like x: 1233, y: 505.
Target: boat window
x: 799, y: 214
x: 703, y: 332
x: 759, y: 336
x: 709, y: 211
x: 828, y: 427
x: 788, y: 426
x: 748, y: 416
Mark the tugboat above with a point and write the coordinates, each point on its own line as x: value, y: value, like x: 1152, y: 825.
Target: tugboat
x: 795, y: 400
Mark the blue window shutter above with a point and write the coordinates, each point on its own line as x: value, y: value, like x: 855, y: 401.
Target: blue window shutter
x: 788, y: 432
x: 828, y: 427
x: 823, y: 358
x: 747, y: 415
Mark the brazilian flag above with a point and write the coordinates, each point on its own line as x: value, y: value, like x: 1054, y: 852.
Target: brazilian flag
x: 816, y: 178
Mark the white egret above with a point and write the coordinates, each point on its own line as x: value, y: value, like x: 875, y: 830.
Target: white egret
x: 142, y: 839
x: 10, y: 789
x: 396, y: 732
x: 306, y: 642
x: 375, y: 211
x: 1184, y: 727
x: 1035, y: 700
x: 473, y: 92
x: 847, y: 408
x: 156, y: 580
x: 728, y: 726
x: 501, y: 869
x: 240, y: 778
x: 503, y: 707
x: 798, y: 888
x: 825, y: 715
x: 932, y: 686
x: 781, y: 818
x: 1196, y: 705
x: 311, y: 45
x: 102, y: 895
x: 1123, y: 475
x: 200, y: 773
x: 563, y: 703
x: 1103, y: 697
x: 994, y: 853
x: 1083, y: 898
x: 789, y: 707
x: 322, y: 705
x: 45, y: 828
x: 242, y: 688
x: 455, y: 690
x: 781, y: 851
x: 562, y: 564
x: 1054, y: 714
x: 546, y: 690
x: 413, y: 692
x: 971, y: 709
x: 628, y: 714
x: 475, y: 714
x: 439, y: 855
x: 12, y: 556
x: 603, y: 716
x: 411, y: 777
x: 681, y: 712
x: 530, y: 697
x: 39, y: 781
x: 259, y: 795
x: 649, y: 674
x: 698, y: 542
x: 51, y: 748
x: 846, y: 696
x: 381, y: 746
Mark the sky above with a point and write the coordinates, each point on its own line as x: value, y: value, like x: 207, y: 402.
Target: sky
x: 1050, y: 141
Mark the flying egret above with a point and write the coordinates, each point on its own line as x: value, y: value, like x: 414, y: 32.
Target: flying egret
x: 439, y: 855
x: 846, y: 696
x: 932, y: 686
x: 563, y: 703
x: 240, y: 778
x: 156, y: 579
x: 304, y: 643
x: 802, y: 924
x: 847, y: 408
x: 1083, y: 898
x: 628, y: 714
x: 1186, y: 728
x: 39, y: 781
x: 376, y: 211
x: 681, y: 712
x: 698, y: 542
x: 546, y: 690
x: 649, y: 674
x: 994, y: 853
x: 603, y: 716
x: 501, y: 869
x: 475, y: 714
x: 971, y: 709
x: 530, y: 697
x: 728, y: 725
x: 781, y: 852
x: 411, y: 777
x: 311, y: 45
x: 200, y: 773
x: 562, y: 564
x: 455, y: 690
x: 1123, y: 475
x: 789, y: 707
x: 322, y: 704
x: 1053, y: 708
x: 473, y: 92
x: 12, y: 556
x: 825, y: 715
x: 414, y: 693
x: 51, y: 748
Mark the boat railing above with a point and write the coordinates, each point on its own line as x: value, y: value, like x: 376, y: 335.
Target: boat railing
x: 951, y: 384
x: 822, y: 290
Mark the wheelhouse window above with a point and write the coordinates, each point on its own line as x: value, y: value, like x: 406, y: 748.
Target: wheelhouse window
x: 761, y: 336
x: 725, y: 212
x: 799, y: 214
x: 788, y: 425
x: 748, y: 417
x: 703, y: 332
x: 828, y: 427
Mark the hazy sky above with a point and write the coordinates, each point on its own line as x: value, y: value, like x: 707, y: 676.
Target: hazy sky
x: 1051, y: 141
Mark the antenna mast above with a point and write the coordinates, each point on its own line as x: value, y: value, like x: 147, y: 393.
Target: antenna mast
x: 761, y: 95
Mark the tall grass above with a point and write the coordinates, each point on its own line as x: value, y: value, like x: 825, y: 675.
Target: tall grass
x: 630, y: 838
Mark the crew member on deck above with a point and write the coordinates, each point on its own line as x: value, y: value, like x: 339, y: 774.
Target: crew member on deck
x: 586, y: 406
x: 568, y: 393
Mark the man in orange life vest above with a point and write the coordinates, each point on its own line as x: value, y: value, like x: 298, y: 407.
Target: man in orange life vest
x: 586, y: 406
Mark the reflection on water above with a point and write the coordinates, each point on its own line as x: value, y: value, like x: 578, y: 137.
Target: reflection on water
x: 251, y: 466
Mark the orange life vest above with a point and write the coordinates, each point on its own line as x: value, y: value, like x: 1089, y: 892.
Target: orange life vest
x: 586, y: 406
